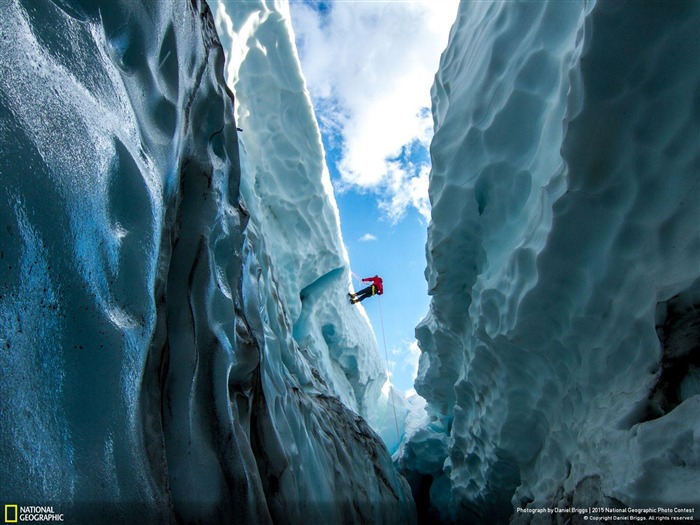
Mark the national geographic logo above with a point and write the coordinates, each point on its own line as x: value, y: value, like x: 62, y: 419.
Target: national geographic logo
x: 10, y: 513
x: 31, y: 513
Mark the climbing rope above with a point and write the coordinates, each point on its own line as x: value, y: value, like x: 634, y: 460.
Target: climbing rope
x: 359, y: 279
x: 391, y: 390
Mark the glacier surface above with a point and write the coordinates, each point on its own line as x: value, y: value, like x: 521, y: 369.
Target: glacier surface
x: 560, y: 354
x: 176, y: 341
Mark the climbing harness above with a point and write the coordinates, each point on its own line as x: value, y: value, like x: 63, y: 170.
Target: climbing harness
x: 391, y: 390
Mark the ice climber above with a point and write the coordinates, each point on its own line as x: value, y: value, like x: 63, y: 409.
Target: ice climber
x: 376, y: 288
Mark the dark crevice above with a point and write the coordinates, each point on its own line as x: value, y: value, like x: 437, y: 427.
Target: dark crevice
x: 678, y: 328
x: 267, y: 451
x: 420, y: 487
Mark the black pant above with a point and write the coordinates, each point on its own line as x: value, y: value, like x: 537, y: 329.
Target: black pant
x: 365, y: 293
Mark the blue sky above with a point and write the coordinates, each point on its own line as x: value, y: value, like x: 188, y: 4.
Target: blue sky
x: 369, y: 66
x: 396, y: 252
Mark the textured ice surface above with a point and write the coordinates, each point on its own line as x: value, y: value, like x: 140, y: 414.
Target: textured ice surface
x: 560, y: 353
x: 159, y: 361
x: 287, y: 188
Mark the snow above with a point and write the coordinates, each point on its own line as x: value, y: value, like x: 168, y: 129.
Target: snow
x: 564, y: 226
x: 172, y: 298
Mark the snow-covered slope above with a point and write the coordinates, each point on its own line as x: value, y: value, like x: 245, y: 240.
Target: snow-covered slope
x: 170, y: 352
x: 560, y: 355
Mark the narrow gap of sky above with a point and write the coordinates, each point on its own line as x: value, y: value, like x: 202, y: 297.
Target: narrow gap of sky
x: 369, y: 67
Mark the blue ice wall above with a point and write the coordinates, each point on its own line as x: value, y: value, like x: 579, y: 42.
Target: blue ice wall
x: 138, y: 345
x: 560, y: 358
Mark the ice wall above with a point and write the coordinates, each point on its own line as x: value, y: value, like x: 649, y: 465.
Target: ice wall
x: 560, y: 354
x: 287, y: 188
x: 160, y: 360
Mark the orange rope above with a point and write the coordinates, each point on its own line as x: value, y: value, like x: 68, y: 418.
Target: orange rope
x: 391, y: 390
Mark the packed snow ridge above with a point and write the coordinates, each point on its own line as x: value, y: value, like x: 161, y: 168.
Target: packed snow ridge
x: 560, y: 356
x: 176, y: 343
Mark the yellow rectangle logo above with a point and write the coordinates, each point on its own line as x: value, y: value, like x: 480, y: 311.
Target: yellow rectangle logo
x: 8, y: 513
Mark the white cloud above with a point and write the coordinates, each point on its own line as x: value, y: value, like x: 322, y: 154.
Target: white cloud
x: 407, y: 187
x: 368, y: 237
x: 369, y: 67
x: 413, y: 357
x: 408, y: 355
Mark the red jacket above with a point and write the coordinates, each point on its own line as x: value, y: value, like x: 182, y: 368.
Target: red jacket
x: 377, y: 282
